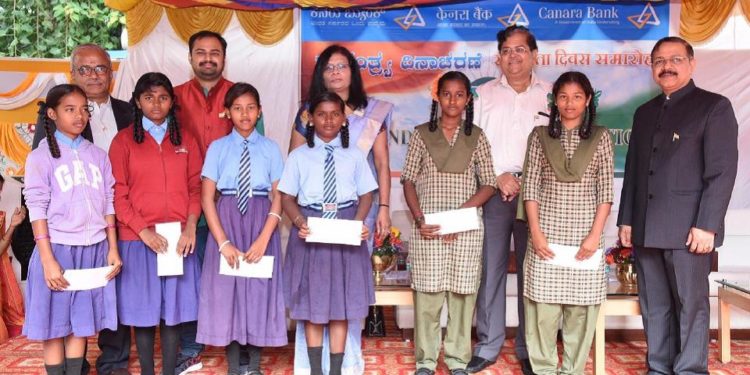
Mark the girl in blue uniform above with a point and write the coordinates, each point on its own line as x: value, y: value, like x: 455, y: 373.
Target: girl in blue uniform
x: 245, y: 168
x: 325, y: 284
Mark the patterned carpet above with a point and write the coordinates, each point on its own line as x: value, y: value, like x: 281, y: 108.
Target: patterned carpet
x: 387, y: 355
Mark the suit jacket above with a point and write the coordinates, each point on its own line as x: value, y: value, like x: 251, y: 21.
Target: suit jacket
x: 680, y: 168
x: 123, y: 112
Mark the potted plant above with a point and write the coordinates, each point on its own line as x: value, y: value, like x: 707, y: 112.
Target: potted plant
x: 624, y: 260
x: 384, y: 252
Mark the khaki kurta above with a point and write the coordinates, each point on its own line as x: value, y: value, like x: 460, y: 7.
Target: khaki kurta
x: 436, y: 266
x: 566, y: 213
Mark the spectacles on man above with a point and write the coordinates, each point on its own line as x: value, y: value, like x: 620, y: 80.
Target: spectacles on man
x: 86, y: 70
x: 518, y: 50
x: 330, y: 68
x: 675, y: 60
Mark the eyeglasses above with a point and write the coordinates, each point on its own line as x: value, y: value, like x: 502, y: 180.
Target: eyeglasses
x: 86, y: 70
x: 330, y: 68
x: 518, y: 50
x: 675, y: 60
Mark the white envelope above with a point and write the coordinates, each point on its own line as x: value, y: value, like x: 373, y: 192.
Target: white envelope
x: 169, y: 263
x: 261, y: 270
x: 565, y: 256
x: 454, y: 221
x: 335, y: 231
x: 87, y: 279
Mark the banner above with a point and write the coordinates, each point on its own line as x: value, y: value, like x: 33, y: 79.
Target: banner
x: 402, y: 52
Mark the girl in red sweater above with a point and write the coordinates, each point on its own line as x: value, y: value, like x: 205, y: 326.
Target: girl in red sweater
x: 157, y: 180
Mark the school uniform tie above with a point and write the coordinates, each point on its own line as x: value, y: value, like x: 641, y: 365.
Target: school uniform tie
x: 243, y: 179
x: 329, y: 183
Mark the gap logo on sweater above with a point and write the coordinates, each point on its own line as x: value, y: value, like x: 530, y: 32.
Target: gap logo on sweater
x: 67, y: 178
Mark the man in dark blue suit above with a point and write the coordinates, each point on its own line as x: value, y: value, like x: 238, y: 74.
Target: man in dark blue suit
x: 91, y: 70
x: 679, y: 175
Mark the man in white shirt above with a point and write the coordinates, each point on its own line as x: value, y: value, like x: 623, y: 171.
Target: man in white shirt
x: 507, y: 109
x: 91, y: 70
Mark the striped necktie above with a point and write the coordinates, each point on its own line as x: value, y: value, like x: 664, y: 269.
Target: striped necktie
x: 243, y: 179
x: 329, y: 183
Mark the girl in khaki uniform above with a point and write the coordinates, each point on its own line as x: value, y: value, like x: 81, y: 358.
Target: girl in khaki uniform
x: 567, y: 194
x: 448, y: 166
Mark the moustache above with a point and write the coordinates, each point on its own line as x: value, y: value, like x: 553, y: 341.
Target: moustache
x: 667, y: 72
x: 208, y: 63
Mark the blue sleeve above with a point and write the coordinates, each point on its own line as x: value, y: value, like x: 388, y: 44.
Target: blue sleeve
x: 277, y: 163
x: 365, y: 180
x: 289, y: 183
x: 211, y: 164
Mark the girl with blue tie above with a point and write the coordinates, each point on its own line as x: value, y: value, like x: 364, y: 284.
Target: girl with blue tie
x: 245, y: 167
x: 326, y: 284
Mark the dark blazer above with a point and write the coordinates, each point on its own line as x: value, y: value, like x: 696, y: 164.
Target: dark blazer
x: 680, y: 168
x: 123, y: 112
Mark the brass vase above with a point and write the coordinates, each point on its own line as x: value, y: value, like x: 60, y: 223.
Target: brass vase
x: 626, y: 274
x: 380, y: 263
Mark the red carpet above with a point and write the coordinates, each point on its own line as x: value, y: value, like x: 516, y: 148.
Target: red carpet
x: 387, y: 355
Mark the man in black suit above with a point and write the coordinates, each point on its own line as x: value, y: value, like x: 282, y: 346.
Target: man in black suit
x: 679, y: 175
x: 91, y: 70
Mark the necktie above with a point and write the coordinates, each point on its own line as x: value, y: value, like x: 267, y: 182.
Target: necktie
x: 243, y: 179
x: 329, y: 183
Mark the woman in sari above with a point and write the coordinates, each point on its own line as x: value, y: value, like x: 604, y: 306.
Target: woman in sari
x: 11, y: 299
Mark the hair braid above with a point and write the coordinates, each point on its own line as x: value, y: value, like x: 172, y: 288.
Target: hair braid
x: 54, y: 148
x: 175, y: 135
x: 469, y: 121
x: 345, y: 135
x: 585, y: 131
x: 433, y: 116
x: 310, y: 135
x: 138, y: 131
x: 554, y: 129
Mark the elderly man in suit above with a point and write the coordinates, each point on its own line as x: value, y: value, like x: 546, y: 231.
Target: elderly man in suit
x: 91, y: 70
x: 679, y: 175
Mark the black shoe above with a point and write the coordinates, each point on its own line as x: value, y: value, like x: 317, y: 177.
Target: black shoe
x: 459, y: 371
x: 424, y: 371
x: 478, y: 364
x: 526, y: 367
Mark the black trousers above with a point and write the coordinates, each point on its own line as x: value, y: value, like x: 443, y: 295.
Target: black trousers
x: 115, y: 348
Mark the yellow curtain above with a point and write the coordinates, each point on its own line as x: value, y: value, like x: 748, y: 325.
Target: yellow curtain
x: 188, y: 21
x: 122, y: 5
x: 700, y: 19
x: 14, y: 147
x: 141, y: 19
x: 324, y: 3
x: 266, y: 27
x: 23, y: 86
x: 746, y: 8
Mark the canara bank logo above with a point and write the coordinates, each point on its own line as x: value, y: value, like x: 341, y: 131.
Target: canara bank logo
x: 647, y: 17
x: 517, y: 17
x: 413, y: 18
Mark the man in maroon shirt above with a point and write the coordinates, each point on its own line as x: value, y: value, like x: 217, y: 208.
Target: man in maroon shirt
x: 200, y: 110
x: 201, y: 100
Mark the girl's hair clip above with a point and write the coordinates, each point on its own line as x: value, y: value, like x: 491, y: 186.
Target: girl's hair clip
x: 181, y: 150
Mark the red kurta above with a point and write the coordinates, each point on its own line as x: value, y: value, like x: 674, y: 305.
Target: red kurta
x: 201, y: 115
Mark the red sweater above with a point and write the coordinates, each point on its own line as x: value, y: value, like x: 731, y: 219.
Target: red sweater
x: 202, y: 115
x: 154, y: 183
